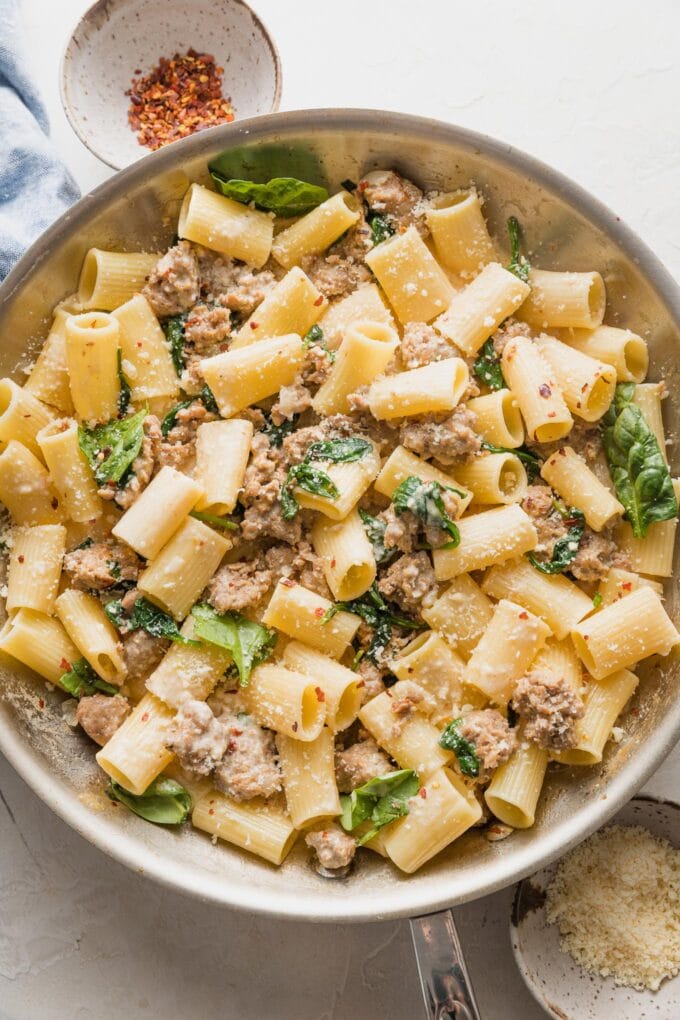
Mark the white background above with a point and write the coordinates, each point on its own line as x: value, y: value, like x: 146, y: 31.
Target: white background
x: 591, y: 88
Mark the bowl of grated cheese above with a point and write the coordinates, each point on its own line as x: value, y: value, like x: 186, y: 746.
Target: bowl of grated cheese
x: 597, y: 934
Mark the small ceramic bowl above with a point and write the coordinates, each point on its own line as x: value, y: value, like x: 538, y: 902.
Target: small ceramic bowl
x: 558, y: 984
x: 116, y: 39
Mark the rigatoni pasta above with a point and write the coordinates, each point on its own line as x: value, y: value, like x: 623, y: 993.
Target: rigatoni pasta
x: 298, y: 565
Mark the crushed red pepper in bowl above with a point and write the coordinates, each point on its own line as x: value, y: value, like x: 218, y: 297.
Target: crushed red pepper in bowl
x: 180, y: 96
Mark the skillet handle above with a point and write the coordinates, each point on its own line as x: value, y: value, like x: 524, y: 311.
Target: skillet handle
x: 444, y: 978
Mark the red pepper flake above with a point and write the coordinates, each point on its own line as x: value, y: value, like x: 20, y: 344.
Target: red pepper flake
x: 320, y: 696
x: 294, y: 727
x: 319, y: 301
x: 423, y: 792
x: 180, y: 96
x: 21, y: 559
x: 211, y: 811
x: 584, y: 387
x: 562, y: 452
x: 627, y: 585
x: 524, y: 616
x: 287, y: 583
x: 545, y: 390
x: 145, y: 717
x: 254, y: 325
x: 41, y: 703
x: 65, y: 665
x: 319, y: 612
x: 552, y: 414
x: 334, y: 562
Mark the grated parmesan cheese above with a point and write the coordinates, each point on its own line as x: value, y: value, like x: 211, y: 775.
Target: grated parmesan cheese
x: 616, y: 900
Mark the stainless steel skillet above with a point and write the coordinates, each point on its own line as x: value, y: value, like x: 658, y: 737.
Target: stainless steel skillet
x: 566, y: 228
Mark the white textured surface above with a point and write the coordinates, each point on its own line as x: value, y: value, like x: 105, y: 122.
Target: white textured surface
x: 591, y: 89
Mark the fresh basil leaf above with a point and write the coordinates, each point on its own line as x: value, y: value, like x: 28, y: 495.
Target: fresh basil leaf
x: 277, y: 433
x: 164, y: 802
x: 174, y: 334
x: 518, y: 264
x: 565, y: 549
x: 381, y: 228
x: 487, y: 367
x: 145, y: 616
x: 249, y: 642
x: 308, y: 478
x: 81, y: 681
x: 375, y: 530
x: 382, y: 800
x: 285, y: 196
x: 424, y: 501
x: 638, y: 470
x: 339, y: 451
x: 112, y: 448
x: 315, y: 336
x: 125, y: 392
x: 377, y: 614
x: 170, y: 419
x: 217, y: 522
x: 597, y: 600
x: 531, y: 461
x: 463, y: 749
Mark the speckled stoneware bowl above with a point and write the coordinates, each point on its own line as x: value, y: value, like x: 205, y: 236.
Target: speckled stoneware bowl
x: 115, y: 39
x: 562, y: 988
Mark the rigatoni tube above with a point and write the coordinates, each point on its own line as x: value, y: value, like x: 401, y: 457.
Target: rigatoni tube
x: 444, y: 809
x: 346, y: 555
x: 364, y: 353
x: 625, y: 632
x: 535, y: 387
x: 478, y: 310
x: 505, y: 651
x: 431, y: 389
x: 415, y: 284
x: 286, y: 701
x: 341, y: 686
x: 492, y: 536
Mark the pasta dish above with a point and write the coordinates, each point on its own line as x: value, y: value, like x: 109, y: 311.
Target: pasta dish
x: 340, y: 520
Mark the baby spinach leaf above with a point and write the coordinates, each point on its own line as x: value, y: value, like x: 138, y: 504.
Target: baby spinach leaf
x: 376, y: 612
x: 170, y: 419
x: 249, y: 642
x: 424, y: 501
x: 81, y: 681
x: 285, y: 196
x: 174, y: 334
x: 145, y: 616
x: 207, y: 398
x: 565, y: 549
x: 640, y: 474
x: 463, y: 749
x: 518, y: 264
x: 487, y: 367
x: 382, y: 800
x: 309, y: 478
x: 531, y: 461
x: 375, y: 529
x: 214, y: 520
x: 277, y: 433
x: 111, y: 448
x: 124, y: 395
x: 315, y: 336
x: 164, y: 802
x: 339, y: 451
x: 381, y: 228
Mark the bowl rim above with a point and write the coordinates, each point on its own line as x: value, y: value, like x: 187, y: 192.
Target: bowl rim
x: 65, y: 76
x: 398, y: 899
